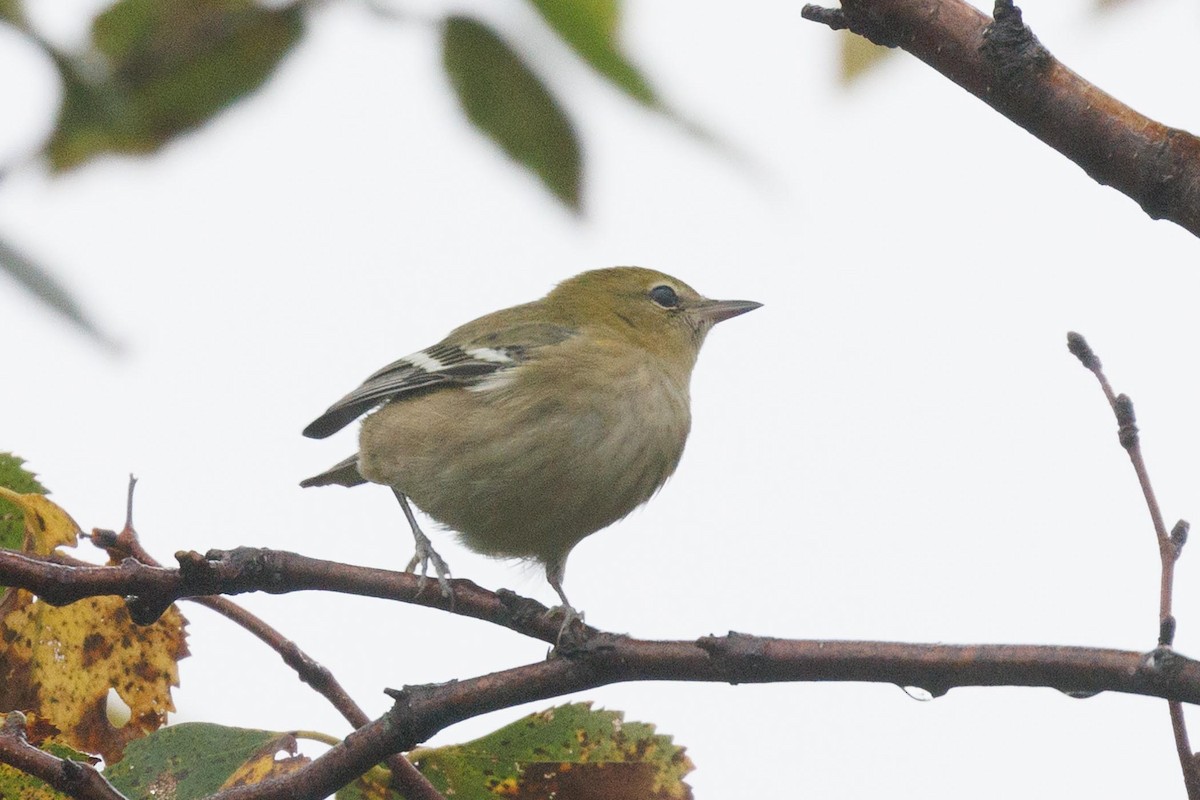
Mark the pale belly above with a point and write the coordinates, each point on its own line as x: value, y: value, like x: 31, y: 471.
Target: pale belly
x: 527, y: 481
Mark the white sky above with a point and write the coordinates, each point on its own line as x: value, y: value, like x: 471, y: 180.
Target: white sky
x: 897, y: 446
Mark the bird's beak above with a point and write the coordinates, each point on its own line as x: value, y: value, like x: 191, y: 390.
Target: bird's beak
x: 714, y: 311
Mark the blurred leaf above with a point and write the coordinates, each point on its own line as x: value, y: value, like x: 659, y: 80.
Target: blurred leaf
x: 166, y: 66
x: 36, y: 279
x: 570, y: 752
x: 506, y: 101
x: 61, y: 662
x: 859, y: 55
x: 196, y: 759
x: 12, y: 12
x: 590, y: 28
x: 14, y: 476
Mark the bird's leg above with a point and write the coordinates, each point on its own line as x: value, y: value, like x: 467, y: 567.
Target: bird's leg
x: 555, y: 570
x: 425, y: 552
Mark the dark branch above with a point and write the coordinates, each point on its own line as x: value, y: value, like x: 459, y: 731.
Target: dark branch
x: 247, y: 569
x: 1001, y: 62
x: 421, y: 711
x: 72, y: 778
x: 1187, y: 759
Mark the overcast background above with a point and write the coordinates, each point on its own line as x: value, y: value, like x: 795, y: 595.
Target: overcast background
x: 896, y: 446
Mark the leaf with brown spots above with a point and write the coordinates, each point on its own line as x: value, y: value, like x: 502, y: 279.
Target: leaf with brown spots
x: 61, y: 662
x: 47, y: 526
x: 13, y: 475
x: 569, y: 752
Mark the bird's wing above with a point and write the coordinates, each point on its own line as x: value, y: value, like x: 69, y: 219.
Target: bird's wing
x: 457, y: 361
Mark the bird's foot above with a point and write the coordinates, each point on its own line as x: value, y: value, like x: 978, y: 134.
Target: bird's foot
x: 425, y: 552
x: 424, y: 555
x: 570, y: 617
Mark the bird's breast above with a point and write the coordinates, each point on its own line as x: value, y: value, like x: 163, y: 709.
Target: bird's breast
x: 537, y: 463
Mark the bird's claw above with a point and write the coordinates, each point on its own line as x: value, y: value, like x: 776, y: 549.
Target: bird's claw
x: 570, y: 616
x: 424, y: 555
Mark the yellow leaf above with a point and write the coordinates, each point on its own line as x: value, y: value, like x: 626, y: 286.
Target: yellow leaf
x: 265, y: 764
x: 61, y: 663
x: 47, y: 526
x: 859, y: 55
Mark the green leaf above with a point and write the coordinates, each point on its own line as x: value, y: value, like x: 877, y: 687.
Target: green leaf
x: 12, y: 13
x: 506, y: 101
x: 568, y: 751
x: 45, y: 287
x: 590, y: 28
x: 171, y: 66
x: 13, y: 475
x: 191, y: 760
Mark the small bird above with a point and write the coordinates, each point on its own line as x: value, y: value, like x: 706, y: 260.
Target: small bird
x: 530, y: 428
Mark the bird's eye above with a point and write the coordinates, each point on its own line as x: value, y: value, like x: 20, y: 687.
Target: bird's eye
x: 664, y: 296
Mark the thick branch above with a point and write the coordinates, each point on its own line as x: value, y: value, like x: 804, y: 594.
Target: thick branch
x: 589, y: 658
x: 152, y: 589
x: 421, y: 711
x: 931, y: 667
x: 1001, y: 62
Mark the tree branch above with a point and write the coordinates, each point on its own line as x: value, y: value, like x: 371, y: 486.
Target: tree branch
x: 1001, y: 62
x: 421, y: 711
x: 150, y: 589
x: 73, y: 778
x: 589, y: 658
x: 1170, y: 546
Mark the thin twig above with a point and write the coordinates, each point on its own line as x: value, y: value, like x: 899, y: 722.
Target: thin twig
x: 1191, y: 778
x: 1170, y: 545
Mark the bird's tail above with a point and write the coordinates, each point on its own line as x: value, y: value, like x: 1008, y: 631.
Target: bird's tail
x: 343, y: 473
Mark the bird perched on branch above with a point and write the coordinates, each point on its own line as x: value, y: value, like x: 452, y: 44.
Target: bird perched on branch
x: 533, y: 427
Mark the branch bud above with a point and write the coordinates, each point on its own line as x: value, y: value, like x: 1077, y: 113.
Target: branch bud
x: 1082, y: 350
